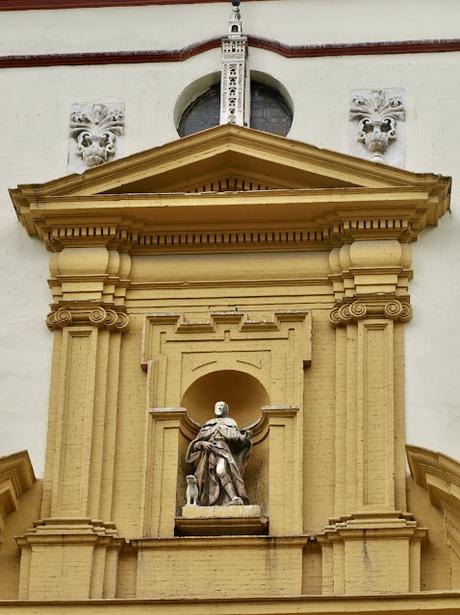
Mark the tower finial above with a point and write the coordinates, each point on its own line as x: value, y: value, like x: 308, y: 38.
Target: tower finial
x: 235, y: 27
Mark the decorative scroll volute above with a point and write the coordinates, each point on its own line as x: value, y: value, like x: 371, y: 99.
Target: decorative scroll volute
x: 114, y: 320
x: 352, y: 312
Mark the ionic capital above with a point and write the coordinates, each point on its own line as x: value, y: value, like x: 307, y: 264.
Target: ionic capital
x: 348, y: 313
x: 112, y: 318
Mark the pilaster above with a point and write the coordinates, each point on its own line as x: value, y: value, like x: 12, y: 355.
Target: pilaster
x: 87, y: 317
x: 169, y: 430
x: 284, y: 471
x: 370, y: 281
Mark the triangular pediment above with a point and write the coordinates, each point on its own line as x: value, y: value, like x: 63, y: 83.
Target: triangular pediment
x: 233, y: 158
x: 236, y: 179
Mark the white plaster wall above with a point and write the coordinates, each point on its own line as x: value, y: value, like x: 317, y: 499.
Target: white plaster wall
x: 166, y: 27
x: 34, y: 114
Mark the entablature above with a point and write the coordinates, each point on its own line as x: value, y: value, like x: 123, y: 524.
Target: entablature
x: 300, y: 219
x: 231, y: 188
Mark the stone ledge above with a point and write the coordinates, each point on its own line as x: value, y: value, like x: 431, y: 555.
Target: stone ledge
x: 221, y: 521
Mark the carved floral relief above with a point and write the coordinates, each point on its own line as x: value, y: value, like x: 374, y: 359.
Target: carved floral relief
x: 96, y: 131
x: 377, y: 125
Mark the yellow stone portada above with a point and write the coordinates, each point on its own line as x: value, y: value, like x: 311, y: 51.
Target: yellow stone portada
x: 287, y: 296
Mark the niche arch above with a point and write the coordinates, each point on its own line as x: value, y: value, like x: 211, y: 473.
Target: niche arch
x: 244, y: 394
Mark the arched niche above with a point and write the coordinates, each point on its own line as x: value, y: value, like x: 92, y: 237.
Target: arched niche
x: 244, y: 394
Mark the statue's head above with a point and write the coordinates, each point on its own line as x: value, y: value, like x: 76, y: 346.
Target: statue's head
x: 220, y: 409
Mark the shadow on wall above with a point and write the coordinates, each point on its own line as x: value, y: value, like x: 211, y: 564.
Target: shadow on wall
x: 244, y: 394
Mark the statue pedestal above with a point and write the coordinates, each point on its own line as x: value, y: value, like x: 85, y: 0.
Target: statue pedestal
x: 221, y: 521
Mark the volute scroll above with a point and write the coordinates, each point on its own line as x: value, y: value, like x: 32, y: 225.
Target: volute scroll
x: 348, y: 313
x: 113, y: 319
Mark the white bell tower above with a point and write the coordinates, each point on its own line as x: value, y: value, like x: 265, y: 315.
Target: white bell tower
x: 235, y: 82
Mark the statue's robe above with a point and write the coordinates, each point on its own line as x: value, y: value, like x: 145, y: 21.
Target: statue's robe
x: 227, y: 442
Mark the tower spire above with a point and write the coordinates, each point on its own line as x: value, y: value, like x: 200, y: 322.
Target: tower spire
x: 235, y: 27
x: 234, y: 89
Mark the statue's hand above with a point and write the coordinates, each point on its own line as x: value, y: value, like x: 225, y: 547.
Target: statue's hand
x: 205, y: 446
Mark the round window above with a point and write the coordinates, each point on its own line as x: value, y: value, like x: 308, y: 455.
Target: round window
x: 269, y: 111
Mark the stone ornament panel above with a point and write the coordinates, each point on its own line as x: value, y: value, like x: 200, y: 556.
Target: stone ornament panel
x: 377, y: 125
x: 96, y: 135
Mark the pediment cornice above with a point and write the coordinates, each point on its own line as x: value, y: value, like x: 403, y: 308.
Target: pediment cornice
x: 16, y: 477
x: 176, y: 197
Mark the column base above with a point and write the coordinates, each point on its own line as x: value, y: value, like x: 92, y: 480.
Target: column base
x: 69, y: 558
x: 372, y: 552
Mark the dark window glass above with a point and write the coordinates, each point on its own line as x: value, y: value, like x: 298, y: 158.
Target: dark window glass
x: 269, y: 111
x: 202, y: 113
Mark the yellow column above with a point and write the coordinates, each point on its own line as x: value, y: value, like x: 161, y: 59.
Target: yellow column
x: 75, y: 538
x: 374, y: 541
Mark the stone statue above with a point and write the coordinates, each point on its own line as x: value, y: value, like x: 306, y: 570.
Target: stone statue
x: 192, y: 490
x: 219, y: 454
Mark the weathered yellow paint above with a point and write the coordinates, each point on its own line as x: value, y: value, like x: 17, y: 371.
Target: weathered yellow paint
x: 291, y: 298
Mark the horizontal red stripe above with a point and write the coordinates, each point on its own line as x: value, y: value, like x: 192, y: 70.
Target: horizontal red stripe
x: 26, y: 5
x: 179, y: 55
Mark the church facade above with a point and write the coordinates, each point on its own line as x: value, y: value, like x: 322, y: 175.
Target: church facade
x: 243, y: 237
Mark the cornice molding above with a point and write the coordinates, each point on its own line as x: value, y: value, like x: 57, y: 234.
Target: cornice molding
x: 341, y: 170
x: 16, y: 477
x: 368, y: 526
x: 335, y: 199
x: 359, y: 199
x: 244, y: 323
x: 184, y: 53
x: 307, y: 220
x: 70, y: 530
x: 438, y: 474
x: 218, y: 542
x: 434, y: 602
